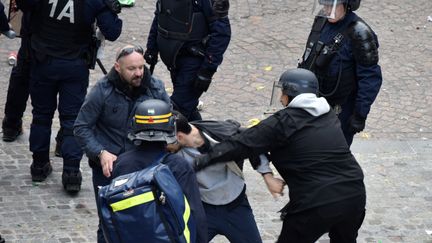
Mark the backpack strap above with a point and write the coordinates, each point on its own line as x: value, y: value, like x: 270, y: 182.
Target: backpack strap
x: 159, y: 202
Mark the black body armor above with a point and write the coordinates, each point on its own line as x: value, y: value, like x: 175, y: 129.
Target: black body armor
x: 62, y: 31
x: 177, y: 24
x: 337, y: 87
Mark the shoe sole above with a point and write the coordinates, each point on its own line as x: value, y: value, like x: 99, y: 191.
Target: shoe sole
x: 72, y: 188
x: 10, y: 138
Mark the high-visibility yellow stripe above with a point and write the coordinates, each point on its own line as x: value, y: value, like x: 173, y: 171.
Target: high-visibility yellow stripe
x: 186, y: 216
x: 153, y: 121
x: 154, y: 117
x: 132, y: 201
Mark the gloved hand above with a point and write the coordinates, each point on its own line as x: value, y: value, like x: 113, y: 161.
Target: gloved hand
x: 203, y: 80
x: 356, y: 123
x: 201, y: 162
x: 151, y: 56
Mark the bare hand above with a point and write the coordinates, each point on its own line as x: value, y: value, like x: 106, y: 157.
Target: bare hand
x: 107, y: 160
x: 274, y: 185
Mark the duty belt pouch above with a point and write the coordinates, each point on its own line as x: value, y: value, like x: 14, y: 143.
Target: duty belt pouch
x: 169, y: 53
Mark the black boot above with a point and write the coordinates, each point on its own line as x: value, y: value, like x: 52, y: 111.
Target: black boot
x: 41, y: 167
x: 2, y: 240
x: 59, y: 142
x: 40, y: 173
x: 11, y: 130
x: 71, y: 180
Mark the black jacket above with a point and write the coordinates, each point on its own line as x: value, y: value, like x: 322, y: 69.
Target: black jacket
x: 309, y: 152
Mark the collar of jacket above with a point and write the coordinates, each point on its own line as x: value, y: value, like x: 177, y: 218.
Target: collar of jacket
x: 131, y: 92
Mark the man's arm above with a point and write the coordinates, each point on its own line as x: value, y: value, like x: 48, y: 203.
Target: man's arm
x: 152, y: 36
x: 274, y: 185
x: 369, y: 78
x: 86, y: 121
x: 220, y: 36
x: 253, y: 141
x: 108, y: 21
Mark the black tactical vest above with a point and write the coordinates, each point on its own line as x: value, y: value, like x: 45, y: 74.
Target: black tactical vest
x: 62, y: 31
x: 318, y: 55
x: 177, y: 24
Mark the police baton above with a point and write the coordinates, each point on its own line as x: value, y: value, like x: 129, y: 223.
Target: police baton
x: 98, y: 61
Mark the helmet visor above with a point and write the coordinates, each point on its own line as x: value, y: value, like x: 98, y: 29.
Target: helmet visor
x: 276, y: 95
x: 325, y: 8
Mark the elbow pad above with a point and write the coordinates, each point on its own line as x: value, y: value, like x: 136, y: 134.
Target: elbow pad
x: 113, y: 5
x: 365, y: 47
x: 221, y: 8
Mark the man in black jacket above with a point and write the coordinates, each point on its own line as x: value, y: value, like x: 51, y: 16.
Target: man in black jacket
x: 308, y: 149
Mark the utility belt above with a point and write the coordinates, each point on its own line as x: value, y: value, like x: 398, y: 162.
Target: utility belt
x: 41, y: 57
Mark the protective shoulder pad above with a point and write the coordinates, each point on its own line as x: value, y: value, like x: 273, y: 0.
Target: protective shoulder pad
x: 365, y: 47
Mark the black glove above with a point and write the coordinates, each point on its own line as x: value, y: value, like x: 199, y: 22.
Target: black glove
x: 201, y: 162
x: 151, y: 56
x: 203, y: 80
x: 356, y: 123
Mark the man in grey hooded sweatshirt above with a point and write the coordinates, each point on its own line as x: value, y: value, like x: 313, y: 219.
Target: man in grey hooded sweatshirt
x: 308, y: 148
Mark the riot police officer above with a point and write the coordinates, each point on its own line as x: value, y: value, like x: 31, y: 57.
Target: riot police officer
x: 154, y: 128
x: 342, y: 50
x: 191, y: 38
x: 308, y: 149
x: 60, y: 42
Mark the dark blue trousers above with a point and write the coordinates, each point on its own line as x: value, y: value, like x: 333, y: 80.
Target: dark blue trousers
x: 18, y: 90
x: 344, y: 116
x: 69, y: 80
x: 99, y: 179
x: 184, y: 96
x: 235, y: 222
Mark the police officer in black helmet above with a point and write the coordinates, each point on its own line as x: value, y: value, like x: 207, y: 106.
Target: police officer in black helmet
x: 342, y: 50
x: 308, y: 149
x: 60, y: 45
x: 153, y: 129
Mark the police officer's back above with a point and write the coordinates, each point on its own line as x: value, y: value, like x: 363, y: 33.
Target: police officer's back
x: 60, y: 41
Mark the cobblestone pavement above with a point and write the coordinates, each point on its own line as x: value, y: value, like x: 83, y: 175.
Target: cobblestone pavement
x: 395, y: 150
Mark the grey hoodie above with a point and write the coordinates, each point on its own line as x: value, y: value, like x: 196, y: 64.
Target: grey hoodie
x: 310, y: 103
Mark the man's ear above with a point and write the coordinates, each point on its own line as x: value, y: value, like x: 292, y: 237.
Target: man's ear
x: 180, y: 137
x: 117, y: 66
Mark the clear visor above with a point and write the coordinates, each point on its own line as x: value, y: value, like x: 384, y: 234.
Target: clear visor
x: 276, y: 95
x: 325, y: 8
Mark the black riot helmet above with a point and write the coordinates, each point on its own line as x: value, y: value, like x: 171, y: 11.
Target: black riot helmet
x: 153, y: 121
x: 294, y: 82
x: 353, y: 5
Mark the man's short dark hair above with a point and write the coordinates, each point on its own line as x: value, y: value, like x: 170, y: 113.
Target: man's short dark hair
x: 182, y: 123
